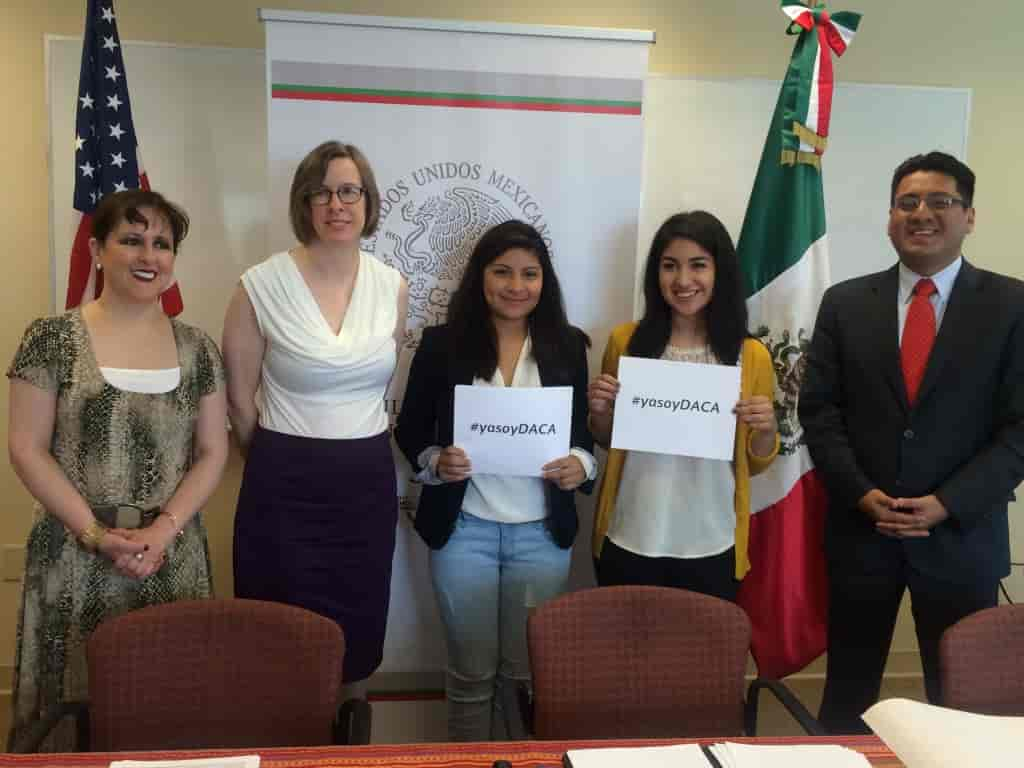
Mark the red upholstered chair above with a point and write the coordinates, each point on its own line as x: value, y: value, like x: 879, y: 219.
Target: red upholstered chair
x: 638, y: 662
x: 217, y: 673
x: 980, y: 665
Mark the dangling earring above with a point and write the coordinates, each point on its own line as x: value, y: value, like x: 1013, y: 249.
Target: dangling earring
x: 99, y: 267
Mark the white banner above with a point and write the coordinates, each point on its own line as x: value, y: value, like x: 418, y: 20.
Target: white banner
x: 466, y: 125
x: 512, y: 431
x: 685, y: 409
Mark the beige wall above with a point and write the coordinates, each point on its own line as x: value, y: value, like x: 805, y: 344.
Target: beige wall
x: 919, y: 42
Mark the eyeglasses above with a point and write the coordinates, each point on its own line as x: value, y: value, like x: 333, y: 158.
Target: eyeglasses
x: 936, y: 201
x: 347, y: 193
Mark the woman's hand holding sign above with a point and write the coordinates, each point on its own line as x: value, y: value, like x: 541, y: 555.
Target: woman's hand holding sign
x: 602, y: 393
x: 601, y: 398
x: 567, y: 472
x: 758, y: 413
x: 453, y: 465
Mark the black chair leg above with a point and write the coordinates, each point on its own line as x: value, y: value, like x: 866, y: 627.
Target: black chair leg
x: 792, y: 704
x: 355, y: 722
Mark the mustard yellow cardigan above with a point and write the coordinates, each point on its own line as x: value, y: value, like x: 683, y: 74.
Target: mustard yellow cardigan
x: 757, y: 378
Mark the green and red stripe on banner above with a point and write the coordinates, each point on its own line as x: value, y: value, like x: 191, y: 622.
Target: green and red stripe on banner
x: 471, y: 100
x: 449, y: 88
x: 783, y: 248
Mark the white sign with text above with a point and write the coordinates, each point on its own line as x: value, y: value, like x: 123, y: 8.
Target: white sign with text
x: 512, y: 430
x: 685, y: 409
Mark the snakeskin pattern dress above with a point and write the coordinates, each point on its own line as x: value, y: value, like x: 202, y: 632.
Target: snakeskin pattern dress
x: 114, y: 446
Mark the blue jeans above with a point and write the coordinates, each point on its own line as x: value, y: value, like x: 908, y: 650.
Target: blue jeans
x: 486, y: 579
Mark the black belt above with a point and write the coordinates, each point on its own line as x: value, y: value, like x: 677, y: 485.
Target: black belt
x: 125, y: 515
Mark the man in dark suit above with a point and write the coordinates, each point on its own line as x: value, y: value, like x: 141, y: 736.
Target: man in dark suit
x: 913, y: 411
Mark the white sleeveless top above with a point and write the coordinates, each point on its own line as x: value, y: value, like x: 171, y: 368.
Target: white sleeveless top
x: 315, y: 383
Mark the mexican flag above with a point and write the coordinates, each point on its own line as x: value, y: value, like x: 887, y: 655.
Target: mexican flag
x: 783, y: 249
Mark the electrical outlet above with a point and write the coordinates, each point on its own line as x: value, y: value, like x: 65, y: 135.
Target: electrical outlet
x: 13, y: 566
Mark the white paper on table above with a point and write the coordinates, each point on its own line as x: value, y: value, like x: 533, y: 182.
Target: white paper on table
x: 664, y: 406
x: 733, y: 755
x: 925, y: 736
x: 236, y: 761
x: 674, y: 756
x: 512, y: 430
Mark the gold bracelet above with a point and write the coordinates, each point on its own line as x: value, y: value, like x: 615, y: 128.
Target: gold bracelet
x: 91, y: 537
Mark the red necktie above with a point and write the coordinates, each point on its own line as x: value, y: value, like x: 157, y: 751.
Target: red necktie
x: 918, y: 337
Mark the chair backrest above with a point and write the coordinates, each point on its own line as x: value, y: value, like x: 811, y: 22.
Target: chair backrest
x: 214, y: 673
x: 637, y: 662
x: 980, y: 665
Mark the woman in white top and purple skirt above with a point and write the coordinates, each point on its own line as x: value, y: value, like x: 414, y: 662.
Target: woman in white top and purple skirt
x: 310, y: 341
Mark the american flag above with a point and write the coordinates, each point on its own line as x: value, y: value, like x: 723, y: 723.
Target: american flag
x: 107, y: 155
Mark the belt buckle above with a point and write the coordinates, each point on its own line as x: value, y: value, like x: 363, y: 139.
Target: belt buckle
x: 127, y: 516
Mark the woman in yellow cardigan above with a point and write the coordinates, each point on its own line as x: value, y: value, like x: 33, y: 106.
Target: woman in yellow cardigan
x: 682, y: 521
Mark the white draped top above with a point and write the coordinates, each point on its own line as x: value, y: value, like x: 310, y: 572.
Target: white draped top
x: 316, y: 383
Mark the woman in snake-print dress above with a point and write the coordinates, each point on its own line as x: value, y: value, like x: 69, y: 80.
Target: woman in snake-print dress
x: 111, y: 404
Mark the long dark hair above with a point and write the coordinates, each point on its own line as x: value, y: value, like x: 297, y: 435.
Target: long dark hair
x: 469, y: 317
x: 726, y: 313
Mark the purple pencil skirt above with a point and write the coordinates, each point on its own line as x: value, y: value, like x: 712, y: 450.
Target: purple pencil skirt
x: 315, y: 527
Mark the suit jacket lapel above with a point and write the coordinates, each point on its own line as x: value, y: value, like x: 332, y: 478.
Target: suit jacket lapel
x: 886, y: 333
x: 956, y: 326
x: 546, y: 379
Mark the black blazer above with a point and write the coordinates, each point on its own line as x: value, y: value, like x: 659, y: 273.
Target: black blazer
x: 427, y: 418
x: 963, y: 440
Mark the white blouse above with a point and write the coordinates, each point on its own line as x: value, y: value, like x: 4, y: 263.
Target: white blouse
x: 316, y: 383
x: 502, y: 498
x: 675, y: 506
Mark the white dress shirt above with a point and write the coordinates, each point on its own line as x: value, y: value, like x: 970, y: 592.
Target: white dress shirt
x: 943, y: 280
